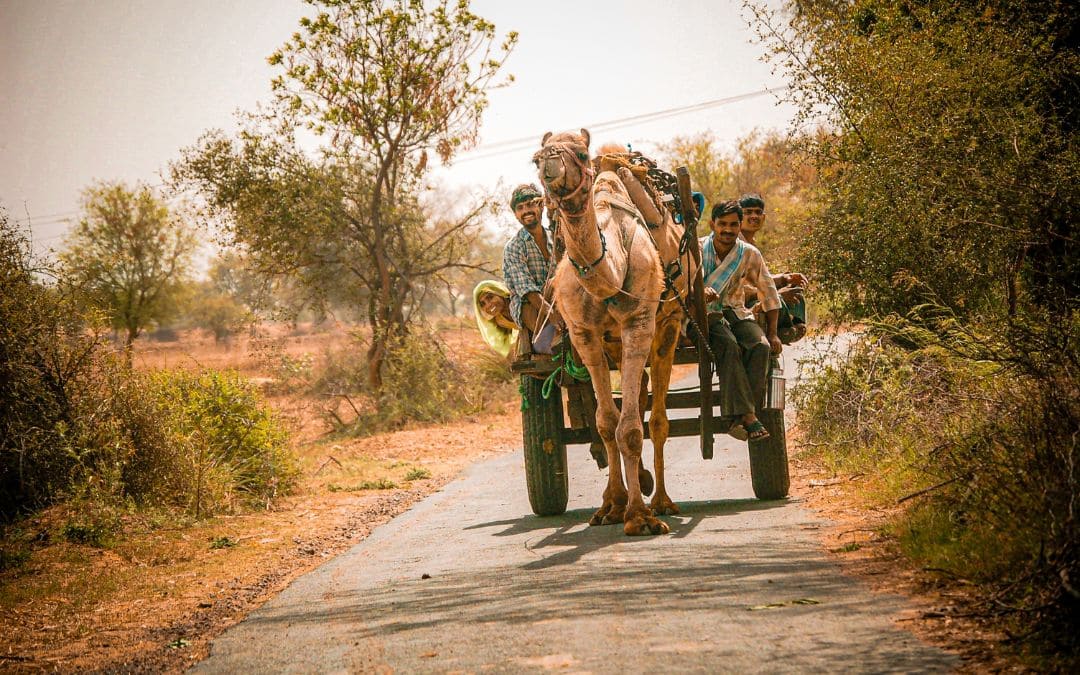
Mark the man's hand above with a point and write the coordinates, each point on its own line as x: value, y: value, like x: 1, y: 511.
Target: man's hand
x: 557, y: 320
x: 711, y: 295
x: 791, y: 294
x: 775, y: 345
x: 796, y: 279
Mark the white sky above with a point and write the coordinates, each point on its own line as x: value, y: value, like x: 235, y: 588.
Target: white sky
x: 113, y: 89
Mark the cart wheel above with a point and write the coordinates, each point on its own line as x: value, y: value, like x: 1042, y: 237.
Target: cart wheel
x: 768, y: 458
x: 545, y: 453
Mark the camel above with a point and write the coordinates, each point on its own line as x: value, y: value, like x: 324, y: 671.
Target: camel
x: 610, y: 283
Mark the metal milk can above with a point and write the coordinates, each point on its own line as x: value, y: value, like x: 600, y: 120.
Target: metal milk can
x: 775, y: 386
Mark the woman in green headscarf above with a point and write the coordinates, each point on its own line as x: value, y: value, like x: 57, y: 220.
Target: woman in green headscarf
x: 491, y: 302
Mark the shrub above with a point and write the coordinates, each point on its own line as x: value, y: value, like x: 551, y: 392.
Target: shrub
x: 976, y: 432
x: 422, y: 382
x: 342, y: 370
x: 236, y: 450
x: 69, y: 408
x: 378, y: 484
x: 79, y: 425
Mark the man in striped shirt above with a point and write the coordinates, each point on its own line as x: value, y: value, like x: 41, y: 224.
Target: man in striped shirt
x: 740, y: 347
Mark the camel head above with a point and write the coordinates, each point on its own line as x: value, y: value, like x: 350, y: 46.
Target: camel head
x: 563, y: 165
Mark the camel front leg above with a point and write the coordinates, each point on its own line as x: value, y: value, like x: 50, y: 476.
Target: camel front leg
x: 637, y: 338
x: 663, y: 355
x: 613, y: 507
x: 644, y: 477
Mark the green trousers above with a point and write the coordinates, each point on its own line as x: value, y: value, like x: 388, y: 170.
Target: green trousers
x: 742, y: 362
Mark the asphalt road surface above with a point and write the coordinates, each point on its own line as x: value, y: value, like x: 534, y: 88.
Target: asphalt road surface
x: 470, y: 581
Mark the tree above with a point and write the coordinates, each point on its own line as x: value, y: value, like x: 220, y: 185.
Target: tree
x: 949, y: 176
x: 710, y: 169
x: 298, y: 220
x: 129, y: 256
x: 951, y: 158
x: 386, y: 82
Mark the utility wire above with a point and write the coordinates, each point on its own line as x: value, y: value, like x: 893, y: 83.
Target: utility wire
x: 498, y: 148
x: 61, y: 216
x: 514, y: 145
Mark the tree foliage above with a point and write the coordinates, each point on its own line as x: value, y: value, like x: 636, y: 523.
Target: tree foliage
x: 299, y: 222
x: 128, y: 255
x: 952, y: 156
x: 946, y: 218
x: 383, y: 83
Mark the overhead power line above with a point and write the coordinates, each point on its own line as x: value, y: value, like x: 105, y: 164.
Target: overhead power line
x: 525, y: 142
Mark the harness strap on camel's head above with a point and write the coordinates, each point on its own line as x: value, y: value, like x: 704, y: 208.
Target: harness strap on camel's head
x: 578, y: 153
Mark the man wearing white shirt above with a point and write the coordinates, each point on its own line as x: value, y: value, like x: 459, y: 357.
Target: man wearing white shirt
x: 740, y: 347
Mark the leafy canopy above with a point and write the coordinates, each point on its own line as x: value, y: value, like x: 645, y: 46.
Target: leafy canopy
x: 951, y: 159
x: 129, y: 255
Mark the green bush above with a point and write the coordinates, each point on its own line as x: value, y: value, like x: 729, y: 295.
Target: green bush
x: 81, y: 428
x: 236, y: 450
x: 422, y: 382
x: 977, y: 434
x: 342, y: 370
x: 70, y: 407
x: 378, y: 484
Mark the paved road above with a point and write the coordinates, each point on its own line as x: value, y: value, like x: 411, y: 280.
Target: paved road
x: 469, y: 580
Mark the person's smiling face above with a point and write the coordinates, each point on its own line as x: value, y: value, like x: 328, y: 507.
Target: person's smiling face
x: 528, y: 213
x: 725, y: 229
x: 491, y: 304
x: 753, y: 219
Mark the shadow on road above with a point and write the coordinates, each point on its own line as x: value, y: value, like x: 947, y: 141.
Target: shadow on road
x: 731, y: 579
x: 574, y: 535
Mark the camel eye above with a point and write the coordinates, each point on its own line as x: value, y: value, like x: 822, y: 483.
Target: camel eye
x: 583, y: 156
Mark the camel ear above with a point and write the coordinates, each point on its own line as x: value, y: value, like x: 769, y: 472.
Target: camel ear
x: 544, y: 139
x: 586, y: 136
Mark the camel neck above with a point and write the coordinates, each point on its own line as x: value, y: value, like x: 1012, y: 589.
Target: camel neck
x: 582, y: 238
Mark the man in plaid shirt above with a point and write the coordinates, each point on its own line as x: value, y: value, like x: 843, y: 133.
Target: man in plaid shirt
x: 527, y: 258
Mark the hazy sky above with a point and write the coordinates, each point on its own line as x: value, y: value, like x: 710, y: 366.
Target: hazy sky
x: 113, y: 89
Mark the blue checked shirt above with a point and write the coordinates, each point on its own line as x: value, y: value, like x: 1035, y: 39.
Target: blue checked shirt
x: 524, y: 268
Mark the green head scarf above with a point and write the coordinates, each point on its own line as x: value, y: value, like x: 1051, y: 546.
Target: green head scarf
x: 497, y: 337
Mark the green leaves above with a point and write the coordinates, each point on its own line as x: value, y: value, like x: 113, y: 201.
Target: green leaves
x: 944, y: 125
x: 128, y: 255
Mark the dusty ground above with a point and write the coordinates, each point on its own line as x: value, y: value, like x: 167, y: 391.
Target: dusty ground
x: 155, y: 600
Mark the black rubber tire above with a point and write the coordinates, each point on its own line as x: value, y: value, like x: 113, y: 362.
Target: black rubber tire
x: 545, y: 453
x: 768, y: 458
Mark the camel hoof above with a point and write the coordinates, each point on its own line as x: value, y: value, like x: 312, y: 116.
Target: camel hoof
x: 658, y: 526
x: 600, y: 515
x: 612, y: 519
x: 664, y: 507
x: 607, y: 515
x: 645, y: 525
x: 645, y: 479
